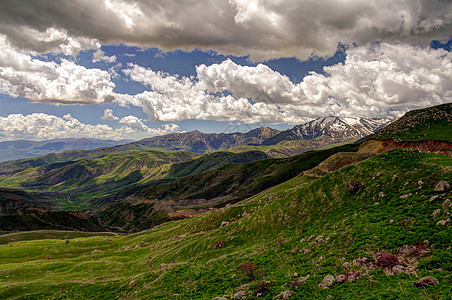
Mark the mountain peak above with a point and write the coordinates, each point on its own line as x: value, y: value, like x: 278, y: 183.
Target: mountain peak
x: 334, y: 127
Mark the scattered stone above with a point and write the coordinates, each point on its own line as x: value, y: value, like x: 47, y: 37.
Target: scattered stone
x: 285, y: 295
x: 306, y: 251
x: 446, y: 203
x: 220, y: 298
x: 426, y: 281
x: 328, y: 297
x: 376, y: 203
x: 391, y: 221
x: 295, y: 274
x: 141, y: 244
x: 302, y: 240
x: 240, y: 295
x: 420, y: 182
x: 442, y: 186
x: 132, y: 283
x: 341, y: 278
x: 224, y: 223
x: 351, y: 276
x: 436, y: 213
x: 303, y: 279
x: 381, y: 194
x: 406, y: 183
x: 405, y: 196
x: 398, y: 269
x: 311, y: 237
x: 327, y: 281
x: 433, y: 198
x: 394, y: 178
x: 442, y: 222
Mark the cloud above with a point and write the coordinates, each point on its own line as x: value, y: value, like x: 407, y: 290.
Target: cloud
x: 172, y: 98
x: 43, y: 126
x: 263, y: 29
x: 108, y: 115
x: 378, y: 80
x: 138, y: 126
x: 23, y: 75
x: 99, y: 55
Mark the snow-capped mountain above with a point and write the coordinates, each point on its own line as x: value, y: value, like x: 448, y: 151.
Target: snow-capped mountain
x: 337, y: 128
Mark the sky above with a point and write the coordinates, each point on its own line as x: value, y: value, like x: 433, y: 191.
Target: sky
x: 130, y: 69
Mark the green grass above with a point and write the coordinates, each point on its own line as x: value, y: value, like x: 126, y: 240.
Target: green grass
x: 177, y: 260
x: 291, y: 148
x: 433, y: 123
x: 47, y: 234
x: 238, y: 181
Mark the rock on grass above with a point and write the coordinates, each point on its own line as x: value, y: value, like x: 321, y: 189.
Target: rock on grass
x: 426, y: 281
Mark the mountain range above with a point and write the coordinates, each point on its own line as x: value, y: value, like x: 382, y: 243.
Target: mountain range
x: 18, y: 149
x: 333, y: 129
x: 337, y: 128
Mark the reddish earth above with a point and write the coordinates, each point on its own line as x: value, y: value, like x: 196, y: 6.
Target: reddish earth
x: 428, y: 146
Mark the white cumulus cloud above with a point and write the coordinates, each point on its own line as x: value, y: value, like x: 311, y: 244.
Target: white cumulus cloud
x: 22, y: 75
x: 377, y: 80
x: 43, y: 126
x: 137, y: 125
x: 99, y: 55
x: 108, y: 115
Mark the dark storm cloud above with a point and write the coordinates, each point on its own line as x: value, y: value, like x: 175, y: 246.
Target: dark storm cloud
x: 262, y: 29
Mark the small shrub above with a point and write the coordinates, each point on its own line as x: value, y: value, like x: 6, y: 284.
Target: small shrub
x: 262, y: 288
x: 353, y: 187
x: 249, y: 270
x: 218, y: 245
x: 386, y: 260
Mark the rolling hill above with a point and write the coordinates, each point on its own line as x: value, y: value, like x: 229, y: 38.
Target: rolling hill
x: 352, y: 233
x: 20, y: 149
x: 427, y: 130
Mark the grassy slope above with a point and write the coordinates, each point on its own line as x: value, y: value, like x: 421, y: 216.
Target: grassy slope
x: 290, y: 148
x: 48, y: 234
x: 433, y: 123
x: 177, y: 260
x: 71, y: 155
x: 239, y: 181
x: 84, y: 179
x: 97, y: 178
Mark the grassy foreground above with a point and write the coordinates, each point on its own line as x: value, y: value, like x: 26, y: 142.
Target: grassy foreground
x: 314, y: 226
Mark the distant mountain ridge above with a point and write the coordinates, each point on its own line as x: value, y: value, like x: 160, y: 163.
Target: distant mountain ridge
x: 337, y: 128
x: 332, y: 129
x: 19, y: 149
x: 197, y: 141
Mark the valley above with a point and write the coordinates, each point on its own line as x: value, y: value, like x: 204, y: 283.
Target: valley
x: 236, y: 217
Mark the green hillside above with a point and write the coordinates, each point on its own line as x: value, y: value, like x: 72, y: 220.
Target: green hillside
x: 238, y: 181
x: 76, y: 182
x: 433, y: 123
x: 291, y: 148
x: 65, y: 156
x: 363, y: 223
